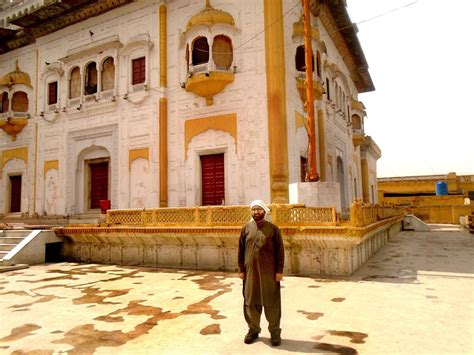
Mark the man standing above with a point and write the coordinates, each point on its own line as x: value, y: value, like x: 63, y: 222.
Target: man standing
x: 261, y: 259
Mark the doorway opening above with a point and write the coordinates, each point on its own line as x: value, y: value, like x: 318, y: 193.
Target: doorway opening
x: 98, y: 182
x: 213, y: 179
x: 15, y: 193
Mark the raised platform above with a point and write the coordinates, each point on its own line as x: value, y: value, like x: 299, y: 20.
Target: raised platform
x: 309, y: 250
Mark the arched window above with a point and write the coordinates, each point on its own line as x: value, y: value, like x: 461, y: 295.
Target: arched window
x: 200, y: 54
x: 108, y: 74
x: 318, y: 64
x: 20, y: 102
x: 90, y: 86
x: 356, y: 123
x: 222, y: 52
x: 75, y: 83
x: 4, y: 104
x: 328, y: 89
x: 300, y: 60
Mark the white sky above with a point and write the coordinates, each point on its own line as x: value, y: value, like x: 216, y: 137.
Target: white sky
x: 421, y: 60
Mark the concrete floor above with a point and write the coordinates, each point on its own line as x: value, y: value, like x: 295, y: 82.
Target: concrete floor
x: 415, y: 296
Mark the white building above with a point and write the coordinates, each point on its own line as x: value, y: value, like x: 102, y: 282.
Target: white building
x: 175, y: 103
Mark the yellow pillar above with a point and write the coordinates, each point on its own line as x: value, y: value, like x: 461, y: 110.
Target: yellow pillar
x: 276, y: 100
x: 35, y: 170
x: 322, y: 150
x: 163, y: 113
x: 365, y: 180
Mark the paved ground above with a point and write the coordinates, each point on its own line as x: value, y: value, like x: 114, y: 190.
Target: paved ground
x: 415, y: 296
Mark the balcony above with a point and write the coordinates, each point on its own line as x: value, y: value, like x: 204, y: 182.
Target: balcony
x: 205, y: 83
x: 13, y: 122
x: 318, y: 89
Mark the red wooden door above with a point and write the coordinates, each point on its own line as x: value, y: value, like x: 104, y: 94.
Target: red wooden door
x: 213, y: 183
x: 99, y: 183
x: 15, y: 196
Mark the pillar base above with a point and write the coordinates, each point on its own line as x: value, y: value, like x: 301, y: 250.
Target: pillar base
x: 316, y: 194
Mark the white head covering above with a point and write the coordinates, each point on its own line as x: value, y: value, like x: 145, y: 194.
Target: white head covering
x: 261, y: 204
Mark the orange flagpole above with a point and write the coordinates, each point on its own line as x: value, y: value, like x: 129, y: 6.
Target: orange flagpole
x: 311, y: 173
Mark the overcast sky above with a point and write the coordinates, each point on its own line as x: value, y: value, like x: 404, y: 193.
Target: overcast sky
x: 421, y: 60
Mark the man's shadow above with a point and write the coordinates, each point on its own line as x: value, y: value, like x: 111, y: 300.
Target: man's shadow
x: 302, y: 346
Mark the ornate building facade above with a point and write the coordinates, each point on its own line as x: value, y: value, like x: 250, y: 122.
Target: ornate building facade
x: 176, y: 103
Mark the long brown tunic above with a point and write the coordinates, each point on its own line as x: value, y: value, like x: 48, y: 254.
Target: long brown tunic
x: 261, y: 256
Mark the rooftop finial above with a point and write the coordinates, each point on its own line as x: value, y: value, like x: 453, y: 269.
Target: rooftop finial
x: 208, y: 3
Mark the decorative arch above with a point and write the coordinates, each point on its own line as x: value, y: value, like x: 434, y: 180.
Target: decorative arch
x: 200, y: 51
x: 226, y: 123
x: 74, y: 78
x: 107, y: 72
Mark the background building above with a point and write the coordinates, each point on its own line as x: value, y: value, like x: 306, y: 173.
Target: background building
x: 176, y: 103
x: 433, y: 198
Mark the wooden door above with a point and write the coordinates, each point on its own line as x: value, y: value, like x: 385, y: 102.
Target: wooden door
x: 15, y: 195
x: 212, y: 177
x: 99, y: 179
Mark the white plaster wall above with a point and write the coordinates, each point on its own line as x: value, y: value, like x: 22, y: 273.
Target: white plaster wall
x: 246, y: 97
x: 51, y: 192
x: 139, y: 183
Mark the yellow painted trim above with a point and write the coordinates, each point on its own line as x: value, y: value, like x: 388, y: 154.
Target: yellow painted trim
x: 50, y: 164
x: 322, y: 146
x: 318, y: 90
x: 163, y: 47
x: 137, y: 153
x: 209, y: 17
x: 18, y: 153
x: 358, y: 105
x: 13, y: 125
x: 163, y: 152
x: 209, y: 85
x: 300, y: 121
x: 298, y: 30
x: 276, y: 100
x: 16, y: 77
x: 35, y: 170
x: 226, y: 123
x: 163, y: 112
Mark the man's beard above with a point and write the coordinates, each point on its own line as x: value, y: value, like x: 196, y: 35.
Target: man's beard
x: 258, y: 218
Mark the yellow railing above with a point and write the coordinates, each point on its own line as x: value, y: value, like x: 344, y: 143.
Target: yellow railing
x: 221, y: 216
x: 282, y: 215
x: 362, y: 214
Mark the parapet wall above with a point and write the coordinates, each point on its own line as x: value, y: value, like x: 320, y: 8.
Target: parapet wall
x: 336, y: 250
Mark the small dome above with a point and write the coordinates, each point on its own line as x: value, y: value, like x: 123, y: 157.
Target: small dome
x: 16, y: 77
x: 210, y: 16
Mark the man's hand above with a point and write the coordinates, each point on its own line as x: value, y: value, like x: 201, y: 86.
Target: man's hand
x: 242, y: 275
x: 278, y: 277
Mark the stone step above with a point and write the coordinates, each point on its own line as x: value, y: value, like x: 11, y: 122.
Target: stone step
x: 22, y: 233
x: 11, y: 239
x: 7, y: 247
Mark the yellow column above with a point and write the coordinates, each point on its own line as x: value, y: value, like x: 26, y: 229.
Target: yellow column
x: 163, y: 112
x: 35, y: 170
x: 365, y: 180
x: 276, y: 100
x: 322, y: 150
